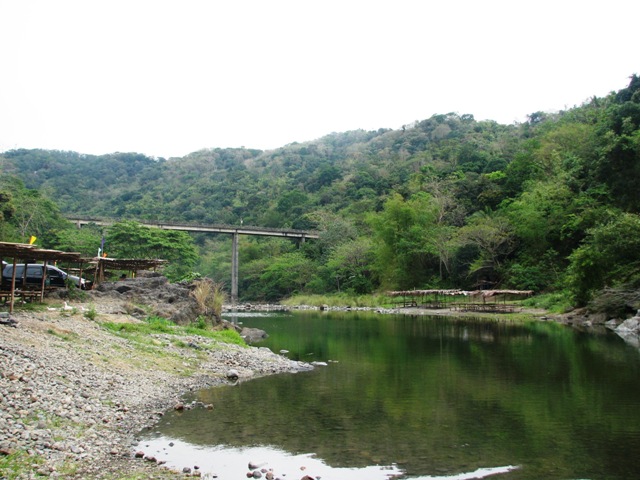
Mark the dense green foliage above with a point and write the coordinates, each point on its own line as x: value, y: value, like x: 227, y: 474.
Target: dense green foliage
x: 444, y: 202
x: 129, y: 239
x: 26, y: 212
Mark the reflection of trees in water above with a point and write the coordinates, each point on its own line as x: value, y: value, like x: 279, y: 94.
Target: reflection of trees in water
x: 434, y: 395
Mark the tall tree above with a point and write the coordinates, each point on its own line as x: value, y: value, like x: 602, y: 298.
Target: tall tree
x: 404, y: 257
x: 28, y: 213
x: 129, y: 239
x: 492, y: 236
x: 609, y: 256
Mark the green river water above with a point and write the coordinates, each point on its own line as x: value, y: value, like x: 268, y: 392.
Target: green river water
x: 421, y: 398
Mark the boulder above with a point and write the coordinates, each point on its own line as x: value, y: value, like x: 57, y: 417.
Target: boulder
x: 629, y: 330
x: 252, y: 335
x: 631, y: 325
x: 172, y: 301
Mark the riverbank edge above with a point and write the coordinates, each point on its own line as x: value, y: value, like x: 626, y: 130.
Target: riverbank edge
x: 73, y: 405
x: 75, y: 396
x: 520, y: 313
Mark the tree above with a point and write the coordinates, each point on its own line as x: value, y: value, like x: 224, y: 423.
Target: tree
x: 129, y: 239
x: 85, y: 240
x: 609, y: 256
x: 403, y: 256
x: 334, y: 230
x: 350, y: 265
x: 27, y: 212
x: 539, y: 214
x: 492, y: 236
x: 7, y: 209
x: 286, y: 274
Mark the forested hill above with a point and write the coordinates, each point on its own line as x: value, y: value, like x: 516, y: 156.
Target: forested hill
x: 549, y: 204
x: 355, y: 171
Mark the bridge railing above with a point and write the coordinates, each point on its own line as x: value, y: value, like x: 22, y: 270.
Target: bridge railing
x: 203, y: 227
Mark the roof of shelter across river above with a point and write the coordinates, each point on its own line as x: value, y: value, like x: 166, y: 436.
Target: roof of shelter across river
x: 458, y: 292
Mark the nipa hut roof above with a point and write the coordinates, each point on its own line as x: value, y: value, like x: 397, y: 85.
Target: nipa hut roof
x: 133, y: 264
x: 24, y: 251
x: 454, y: 292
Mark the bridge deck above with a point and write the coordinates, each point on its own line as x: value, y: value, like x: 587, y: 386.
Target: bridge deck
x: 215, y: 228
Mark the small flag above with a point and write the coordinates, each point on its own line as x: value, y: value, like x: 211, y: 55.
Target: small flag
x: 32, y: 240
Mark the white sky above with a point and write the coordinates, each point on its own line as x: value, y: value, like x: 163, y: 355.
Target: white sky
x: 169, y: 77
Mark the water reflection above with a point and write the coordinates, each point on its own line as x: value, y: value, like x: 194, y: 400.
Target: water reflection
x: 433, y: 398
x: 229, y: 463
x: 225, y: 463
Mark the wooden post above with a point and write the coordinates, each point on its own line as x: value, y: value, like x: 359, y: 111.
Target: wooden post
x: 234, y: 270
x: 13, y: 285
x: 43, y: 282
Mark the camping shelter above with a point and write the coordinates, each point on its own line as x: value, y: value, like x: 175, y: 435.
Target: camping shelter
x: 462, y: 299
x: 30, y: 253
x: 133, y: 265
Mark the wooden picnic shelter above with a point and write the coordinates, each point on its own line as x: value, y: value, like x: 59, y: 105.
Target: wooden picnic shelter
x: 132, y: 265
x: 457, y: 299
x: 430, y: 298
x: 29, y: 254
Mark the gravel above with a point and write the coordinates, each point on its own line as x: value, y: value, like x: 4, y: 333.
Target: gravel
x: 74, y: 395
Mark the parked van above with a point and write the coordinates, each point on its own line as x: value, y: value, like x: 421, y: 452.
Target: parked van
x: 55, y: 276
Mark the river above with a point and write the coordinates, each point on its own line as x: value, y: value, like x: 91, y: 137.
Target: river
x: 420, y: 398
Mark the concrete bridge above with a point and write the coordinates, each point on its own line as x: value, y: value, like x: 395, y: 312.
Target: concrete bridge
x: 235, y: 231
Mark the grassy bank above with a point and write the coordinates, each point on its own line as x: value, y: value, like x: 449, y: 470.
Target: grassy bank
x: 341, y: 300
x: 530, y: 309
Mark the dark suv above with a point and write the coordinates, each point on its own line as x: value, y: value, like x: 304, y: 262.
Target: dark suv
x: 55, y: 276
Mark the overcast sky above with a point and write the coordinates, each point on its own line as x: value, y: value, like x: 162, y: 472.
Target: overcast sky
x: 166, y: 78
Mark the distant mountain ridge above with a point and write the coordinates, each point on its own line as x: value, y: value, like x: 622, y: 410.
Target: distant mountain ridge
x: 225, y: 185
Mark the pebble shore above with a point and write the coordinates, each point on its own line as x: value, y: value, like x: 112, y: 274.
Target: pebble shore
x: 74, y: 395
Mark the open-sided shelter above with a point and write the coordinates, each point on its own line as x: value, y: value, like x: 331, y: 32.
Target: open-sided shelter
x: 30, y: 253
x: 132, y: 265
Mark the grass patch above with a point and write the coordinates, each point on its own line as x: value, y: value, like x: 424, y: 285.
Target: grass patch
x: 65, y: 335
x: 68, y: 468
x: 147, y: 344
x: 152, y: 324
x: 15, y: 465
x: 91, y: 314
x: 340, y: 300
x: 158, y: 325
x: 556, y: 302
x: 29, y: 306
x: 224, y: 336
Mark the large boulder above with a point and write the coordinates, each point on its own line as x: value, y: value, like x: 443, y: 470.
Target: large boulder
x: 630, y: 326
x: 629, y: 330
x: 168, y: 300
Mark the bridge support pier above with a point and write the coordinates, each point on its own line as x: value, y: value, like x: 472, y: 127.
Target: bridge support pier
x: 234, y: 270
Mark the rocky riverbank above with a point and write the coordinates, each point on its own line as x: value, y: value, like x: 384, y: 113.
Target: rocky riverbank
x: 74, y: 394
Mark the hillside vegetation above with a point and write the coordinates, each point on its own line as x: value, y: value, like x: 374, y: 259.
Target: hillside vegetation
x: 550, y: 204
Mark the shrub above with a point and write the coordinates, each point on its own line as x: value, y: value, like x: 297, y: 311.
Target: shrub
x: 210, y: 297
x: 91, y: 314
